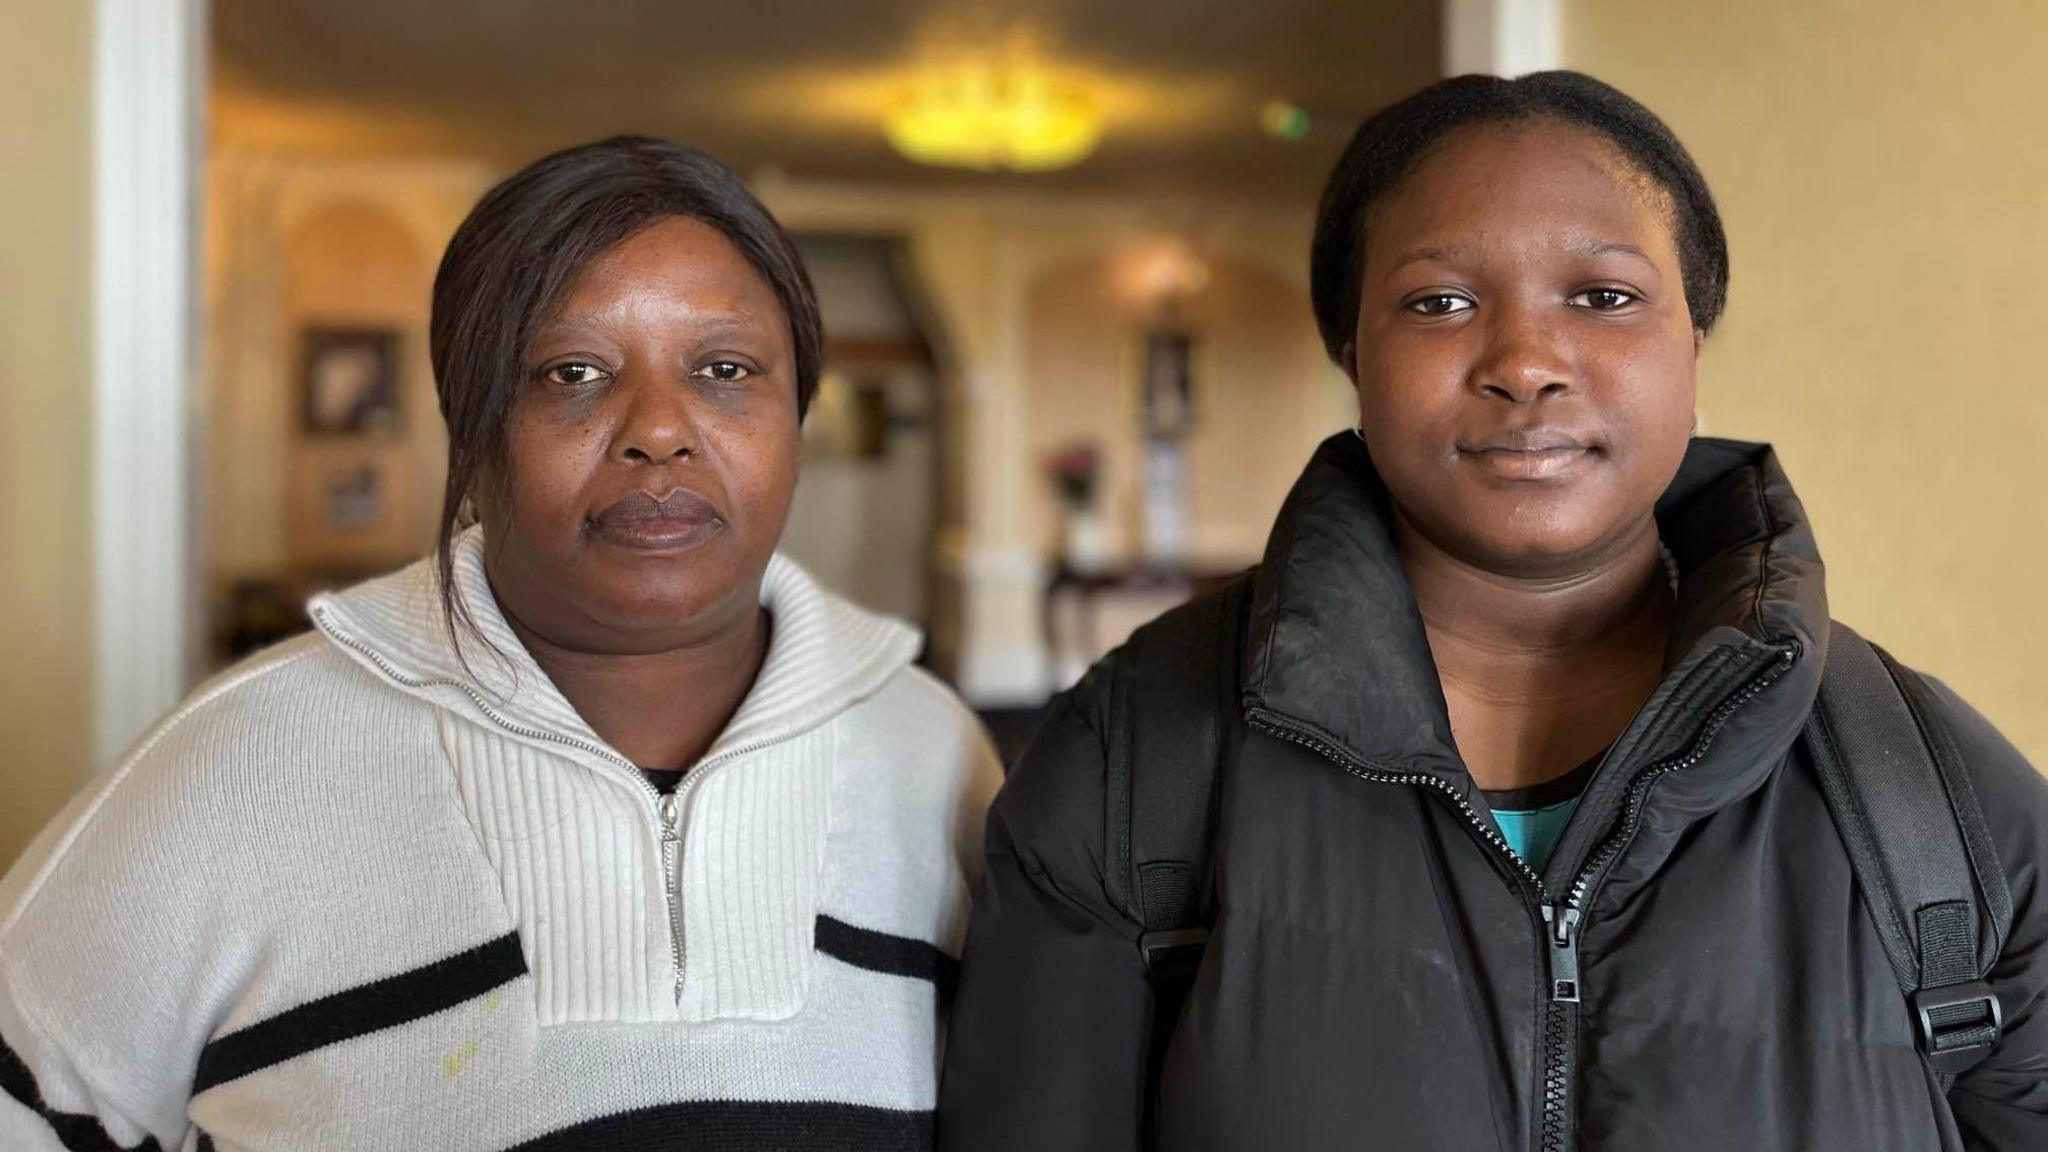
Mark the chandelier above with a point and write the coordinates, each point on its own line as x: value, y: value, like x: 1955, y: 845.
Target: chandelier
x: 992, y: 116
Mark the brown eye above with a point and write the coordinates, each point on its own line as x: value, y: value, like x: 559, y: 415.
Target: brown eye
x: 1440, y: 304
x: 1603, y: 299
x: 573, y: 374
x: 725, y: 371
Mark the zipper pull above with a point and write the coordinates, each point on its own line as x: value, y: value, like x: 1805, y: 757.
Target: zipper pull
x: 671, y: 814
x: 1563, y: 936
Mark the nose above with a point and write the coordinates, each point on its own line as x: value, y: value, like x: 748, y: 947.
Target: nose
x: 1524, y: 360
x: 657, y: 425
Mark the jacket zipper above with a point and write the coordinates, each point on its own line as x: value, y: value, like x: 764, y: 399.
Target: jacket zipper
x: 667, y: 808
x: 1562, y: 920
x: 1563, y: 924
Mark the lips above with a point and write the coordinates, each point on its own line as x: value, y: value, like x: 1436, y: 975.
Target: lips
x: 675, y: 521
x: 1529, y: 454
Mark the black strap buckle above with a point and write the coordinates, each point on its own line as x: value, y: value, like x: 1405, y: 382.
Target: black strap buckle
x: 1958, y: 1024
x: 1173, y: 950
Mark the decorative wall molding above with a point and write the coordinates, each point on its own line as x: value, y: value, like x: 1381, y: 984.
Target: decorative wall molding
x: 149, y: 72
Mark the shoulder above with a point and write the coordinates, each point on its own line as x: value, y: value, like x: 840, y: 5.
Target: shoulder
x: 1049, y: 814
x: 191, y: 787
x: 129, y: 925
x: 1054, y: 811
x: 281, y: 697
x: 915, y: 761
x: 918, y: 723
x: 914, y: 698
x: 2011, y: 791
x: 262, y: 715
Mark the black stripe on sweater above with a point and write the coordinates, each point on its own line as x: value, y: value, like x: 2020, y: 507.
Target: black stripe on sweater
x: 372, y: 1007
x: 744, y: 1125
x: 75, y: 1131
x: 890, y: 955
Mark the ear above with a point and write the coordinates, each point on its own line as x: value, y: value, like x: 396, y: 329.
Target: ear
x: 1347, y: 359
x: 1699, y: 339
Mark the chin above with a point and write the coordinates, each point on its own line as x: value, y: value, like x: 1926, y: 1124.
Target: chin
x: 1539, y: 549
x: 660, y: 606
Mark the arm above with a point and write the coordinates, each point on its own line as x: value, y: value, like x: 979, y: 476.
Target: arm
x: 60, y: 1084
x: 1053, y: 1014
x: 2001, y: 1105
x: 119, y: 946
x: 46, y: 1102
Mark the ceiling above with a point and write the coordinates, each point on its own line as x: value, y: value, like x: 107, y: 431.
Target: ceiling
x: 800, y: 85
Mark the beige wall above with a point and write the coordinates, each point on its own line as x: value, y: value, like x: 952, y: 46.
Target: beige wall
x: 45, y: 411
x: 1884, y: 180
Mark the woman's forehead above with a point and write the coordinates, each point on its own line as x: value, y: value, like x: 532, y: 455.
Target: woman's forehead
x: 1536, y: 184
x: 675, y: 252
x: 676, y: 264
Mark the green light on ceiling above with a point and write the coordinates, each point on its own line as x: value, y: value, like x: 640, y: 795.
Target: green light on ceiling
x: 1284, y: 121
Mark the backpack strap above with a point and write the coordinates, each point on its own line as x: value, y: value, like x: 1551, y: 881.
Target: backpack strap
x: 1916, y: 836
x: 1174, y: 715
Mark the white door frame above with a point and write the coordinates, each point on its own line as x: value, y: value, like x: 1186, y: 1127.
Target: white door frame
x: 148, y: 103
x: 1502, y: 37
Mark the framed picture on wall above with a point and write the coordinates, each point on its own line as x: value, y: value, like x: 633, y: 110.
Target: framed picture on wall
x: 352, y: 498
x: 349, y: 383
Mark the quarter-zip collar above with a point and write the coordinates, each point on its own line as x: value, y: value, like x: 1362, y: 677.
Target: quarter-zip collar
x: 634, y: 907
x: 824, y: 654
x: 1338, y: 645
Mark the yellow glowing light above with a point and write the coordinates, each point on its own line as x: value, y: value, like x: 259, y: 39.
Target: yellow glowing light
x: 985, y: 116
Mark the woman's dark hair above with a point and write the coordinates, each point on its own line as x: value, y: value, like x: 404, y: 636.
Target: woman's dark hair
x: 522, y: 247
x: 1388, y: 145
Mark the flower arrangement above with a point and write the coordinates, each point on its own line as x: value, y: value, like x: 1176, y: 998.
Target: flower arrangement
x: 1075, y: 469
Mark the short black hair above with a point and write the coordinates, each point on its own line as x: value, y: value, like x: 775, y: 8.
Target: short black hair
x: 1388, y: 145
x: 522, y: 247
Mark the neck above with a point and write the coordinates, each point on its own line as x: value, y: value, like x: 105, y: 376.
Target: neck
x: 661, y: 710
x: 1541, y: 674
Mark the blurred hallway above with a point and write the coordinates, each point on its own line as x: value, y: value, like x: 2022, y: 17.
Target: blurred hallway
x: 1058, y: 395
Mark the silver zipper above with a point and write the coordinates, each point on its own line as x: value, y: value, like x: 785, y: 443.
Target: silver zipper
x: 671, y: 812
x: 667, y: 808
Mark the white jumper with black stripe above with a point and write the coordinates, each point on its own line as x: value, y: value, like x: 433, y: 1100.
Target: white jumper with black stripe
x: 354, y: 894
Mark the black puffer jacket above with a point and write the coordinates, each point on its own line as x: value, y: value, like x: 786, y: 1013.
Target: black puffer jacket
x: 1377, y: 974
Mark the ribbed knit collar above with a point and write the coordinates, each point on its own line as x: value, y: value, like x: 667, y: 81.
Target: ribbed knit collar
x: 824, y: 653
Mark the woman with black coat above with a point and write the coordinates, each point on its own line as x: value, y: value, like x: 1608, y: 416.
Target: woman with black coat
x: 1522, y: 831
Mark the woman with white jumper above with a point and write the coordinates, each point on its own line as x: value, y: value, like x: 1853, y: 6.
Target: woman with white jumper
x: 605, y: 827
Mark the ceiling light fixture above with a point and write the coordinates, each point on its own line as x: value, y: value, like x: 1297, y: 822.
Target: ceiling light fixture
x: 987, y: 116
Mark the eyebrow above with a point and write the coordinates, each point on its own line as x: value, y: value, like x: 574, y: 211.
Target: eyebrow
x: 713, y: 325
x: 1418, y: 255
x: 1580, y: 245
x: 720, y: 325
x: 1587, y: 246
